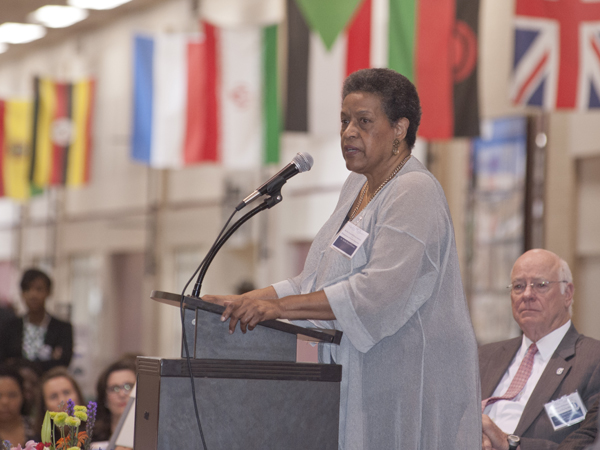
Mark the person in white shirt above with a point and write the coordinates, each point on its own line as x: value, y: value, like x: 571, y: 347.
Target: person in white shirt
x: 519, y: 379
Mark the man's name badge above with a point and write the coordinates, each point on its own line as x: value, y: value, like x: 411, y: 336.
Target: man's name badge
x: 349, y: 240
x: 566, y: 411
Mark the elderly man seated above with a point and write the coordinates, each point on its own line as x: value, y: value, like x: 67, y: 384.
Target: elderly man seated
x: 535, y: 388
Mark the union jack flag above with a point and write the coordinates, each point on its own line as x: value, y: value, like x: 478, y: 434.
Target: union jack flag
x: 557, y: 54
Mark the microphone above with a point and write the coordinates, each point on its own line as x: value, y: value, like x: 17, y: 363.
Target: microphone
x: 302, y: 162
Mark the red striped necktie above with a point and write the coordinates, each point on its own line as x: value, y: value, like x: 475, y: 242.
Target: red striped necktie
x: 519, y: 381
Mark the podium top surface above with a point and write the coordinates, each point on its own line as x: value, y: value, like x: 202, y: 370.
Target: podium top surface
x: 323, y: 335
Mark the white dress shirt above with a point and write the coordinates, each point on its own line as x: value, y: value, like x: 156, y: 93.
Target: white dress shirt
x: 507, y: 413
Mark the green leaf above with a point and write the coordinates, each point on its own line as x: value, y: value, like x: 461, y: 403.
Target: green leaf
x: 328, y: 17
x: 47, y: 428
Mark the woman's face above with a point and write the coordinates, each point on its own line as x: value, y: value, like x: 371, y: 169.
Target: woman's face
x: 59, y: 390
x: 35, y: 296
x: 366, y: 135
x: 11, y: 399
x: 119, y: 385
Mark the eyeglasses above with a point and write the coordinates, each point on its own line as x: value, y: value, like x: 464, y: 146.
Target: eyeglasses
x: 538, y: 286
x: 116, y: 389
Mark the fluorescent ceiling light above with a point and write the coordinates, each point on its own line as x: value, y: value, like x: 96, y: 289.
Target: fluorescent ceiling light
x: 97, y: 4
x: 3, y: 47
x: 57, y: 16
x: 20, y: 33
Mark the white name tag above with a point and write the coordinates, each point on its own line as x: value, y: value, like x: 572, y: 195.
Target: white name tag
x: 566, y: 411
x: 349, y: 240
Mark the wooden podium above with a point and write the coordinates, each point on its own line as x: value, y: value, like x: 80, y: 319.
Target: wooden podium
x: 250, y: 391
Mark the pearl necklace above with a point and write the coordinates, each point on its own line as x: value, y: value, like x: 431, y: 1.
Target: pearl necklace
x: 365, y: 187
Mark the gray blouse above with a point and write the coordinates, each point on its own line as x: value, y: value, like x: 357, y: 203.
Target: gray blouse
x: 410, y: 377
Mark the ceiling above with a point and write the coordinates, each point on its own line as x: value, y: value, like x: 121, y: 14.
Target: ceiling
x: 17, y: 11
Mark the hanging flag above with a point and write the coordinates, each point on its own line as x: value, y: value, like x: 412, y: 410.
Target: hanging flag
x: 434, y: 44
x: 431, y: 42
x: 316, y: 73
x: 557, y: 54
x: 328, y: 18
x: 15, y: 140
x: 163, y: 113
x: 212, y: 98
x: 61, y: 142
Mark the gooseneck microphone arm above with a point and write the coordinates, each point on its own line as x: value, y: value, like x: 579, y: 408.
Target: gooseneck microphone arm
x: 268, y: 203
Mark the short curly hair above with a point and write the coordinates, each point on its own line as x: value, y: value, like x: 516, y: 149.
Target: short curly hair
x: 30, y: 275
x: 399, y: 97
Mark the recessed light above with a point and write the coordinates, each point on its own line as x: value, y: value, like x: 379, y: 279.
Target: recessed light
x: 58, y: 16
x: 20, y: 33
x: 97, y: 4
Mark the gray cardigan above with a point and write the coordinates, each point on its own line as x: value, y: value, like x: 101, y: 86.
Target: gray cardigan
x: 410, y: 375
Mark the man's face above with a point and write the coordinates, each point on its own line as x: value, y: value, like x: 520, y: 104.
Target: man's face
x: 539, y: 313
x: 35, y: 296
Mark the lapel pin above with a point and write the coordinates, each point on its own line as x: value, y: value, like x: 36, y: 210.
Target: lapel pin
x: 560, y: 370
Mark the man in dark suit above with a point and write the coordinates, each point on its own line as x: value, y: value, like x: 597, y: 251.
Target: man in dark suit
x: 518, y: 378
x: 38, y: 337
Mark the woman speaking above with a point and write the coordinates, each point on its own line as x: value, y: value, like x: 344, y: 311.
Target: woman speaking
x: 384, y: 270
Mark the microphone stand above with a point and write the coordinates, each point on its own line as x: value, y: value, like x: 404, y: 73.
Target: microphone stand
x: 274, y: 191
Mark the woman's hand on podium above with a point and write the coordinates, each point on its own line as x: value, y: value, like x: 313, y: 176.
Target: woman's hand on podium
x: 249, y: 312
x: 248, y: 309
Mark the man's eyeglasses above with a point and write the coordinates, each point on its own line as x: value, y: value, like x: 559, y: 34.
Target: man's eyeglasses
x: 117, y: 389
x: 538, y: 286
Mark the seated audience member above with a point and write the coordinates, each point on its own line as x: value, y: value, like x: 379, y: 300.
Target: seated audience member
x: 551, y: 360
x: 113, y: 389
x: 31, y: 384
x: 57, y: 387
x: 14, y: 426
x: 38, y: 337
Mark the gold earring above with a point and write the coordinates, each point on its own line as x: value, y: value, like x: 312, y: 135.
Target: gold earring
x: 396, y: 147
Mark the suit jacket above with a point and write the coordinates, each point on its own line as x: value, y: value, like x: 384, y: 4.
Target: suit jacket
x: 585, y: 435
x: 59, y: 336
x: 578, y: 357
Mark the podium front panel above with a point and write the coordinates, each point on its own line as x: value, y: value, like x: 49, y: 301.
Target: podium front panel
x: 213, y: 341
x: 242, y: 405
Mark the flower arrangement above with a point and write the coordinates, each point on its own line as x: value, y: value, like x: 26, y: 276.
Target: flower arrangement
x: 68, y: 422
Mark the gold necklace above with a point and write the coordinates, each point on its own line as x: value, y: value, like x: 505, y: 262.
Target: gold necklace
x: 365, y: 187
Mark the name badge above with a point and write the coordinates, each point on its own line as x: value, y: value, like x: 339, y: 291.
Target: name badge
x: 566, y: 411
x: 349, y: 240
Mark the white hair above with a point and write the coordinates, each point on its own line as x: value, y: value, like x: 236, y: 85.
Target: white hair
x: 564, y: 274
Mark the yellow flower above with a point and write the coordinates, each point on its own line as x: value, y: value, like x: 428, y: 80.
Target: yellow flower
x: 80, y: 408
x: 72, y: 421
x: 81, y: 415
x: 53, y: 414
x: 59, y: 419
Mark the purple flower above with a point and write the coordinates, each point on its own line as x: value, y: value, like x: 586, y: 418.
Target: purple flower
x: 70, y: 407
x: 91, y: 413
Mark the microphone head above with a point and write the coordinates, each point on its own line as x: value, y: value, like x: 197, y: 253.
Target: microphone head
x: 303, y: 162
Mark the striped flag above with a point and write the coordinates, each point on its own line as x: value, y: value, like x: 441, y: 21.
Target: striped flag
x: 432, y: 42
x: 210, y: 98
x: 15, y: 140
x: 61, y: 134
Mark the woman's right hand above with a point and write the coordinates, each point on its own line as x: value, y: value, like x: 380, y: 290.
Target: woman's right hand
x: 220, y: 299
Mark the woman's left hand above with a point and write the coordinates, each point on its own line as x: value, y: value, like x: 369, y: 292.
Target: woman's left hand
x: 249, y: 312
